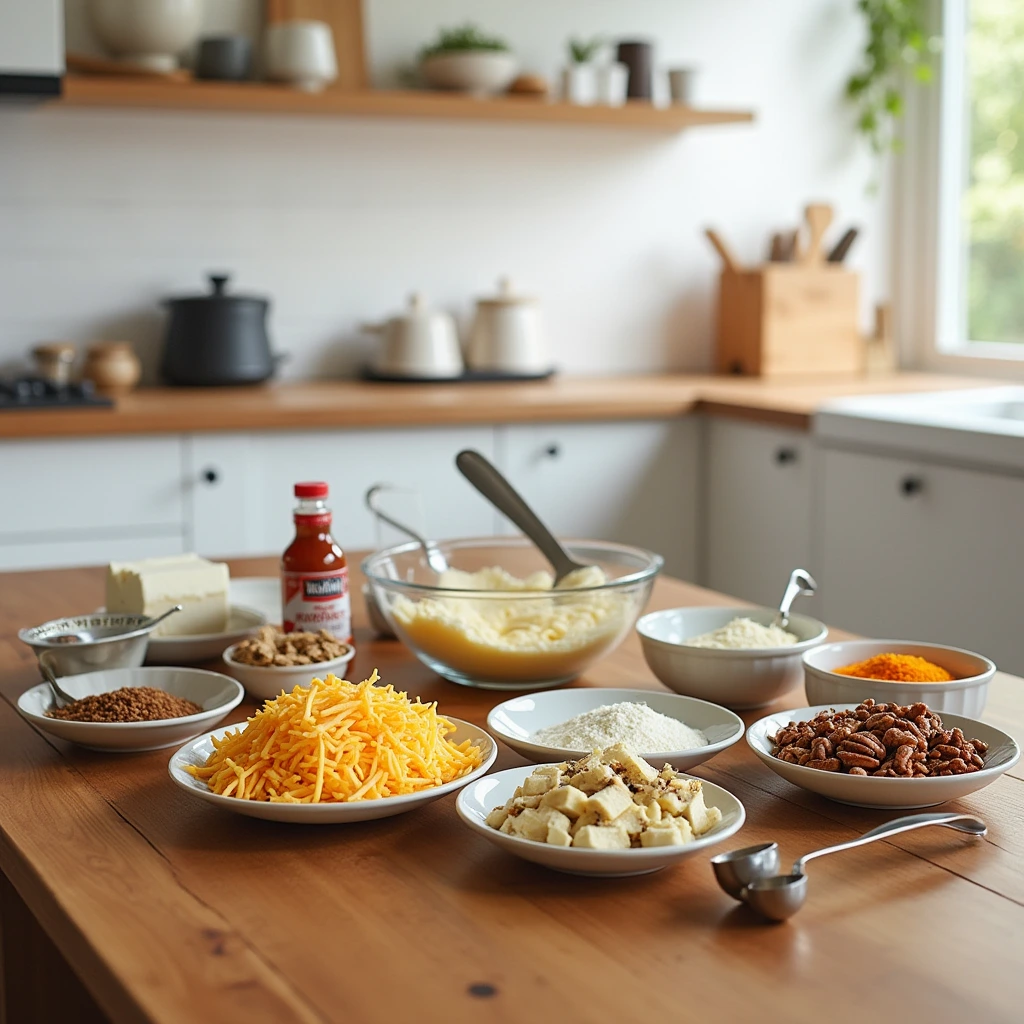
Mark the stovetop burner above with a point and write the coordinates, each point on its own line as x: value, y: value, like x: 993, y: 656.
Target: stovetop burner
x: 39, y: 393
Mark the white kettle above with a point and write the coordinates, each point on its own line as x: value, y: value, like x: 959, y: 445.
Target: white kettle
x: 507, y: 334
x: 421, y: 344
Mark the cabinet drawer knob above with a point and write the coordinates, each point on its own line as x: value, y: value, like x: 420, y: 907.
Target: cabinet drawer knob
x: 210, y: 475
x: 784, y: 456
x: 911, y: 485
x: 553, y: 451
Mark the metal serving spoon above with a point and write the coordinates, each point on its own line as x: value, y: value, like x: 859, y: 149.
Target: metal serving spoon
x: 801, y: 582
x: 60, y: 695
x: 748, y: 874
x: 511, y: 504
x: 434, y: 555
x: 90, y: 636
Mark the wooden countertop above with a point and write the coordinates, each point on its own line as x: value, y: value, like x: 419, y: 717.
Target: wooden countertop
x: 171, y: 911
x: 339, y: 404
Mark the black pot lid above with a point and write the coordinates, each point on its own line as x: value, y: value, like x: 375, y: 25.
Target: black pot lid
x: 218, y: 293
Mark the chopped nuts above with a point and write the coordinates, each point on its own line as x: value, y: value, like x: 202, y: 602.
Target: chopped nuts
x: 271, y: 647
x: 887, y: 740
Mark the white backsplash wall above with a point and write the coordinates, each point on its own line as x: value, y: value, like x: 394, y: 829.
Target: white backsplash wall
x: 102, y: 213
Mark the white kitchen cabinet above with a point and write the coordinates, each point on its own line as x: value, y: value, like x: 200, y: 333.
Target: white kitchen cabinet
x: 240, y: 486
x: 633, y: 482
x: 917, y: 551
x: 757, y: 509
x: 100, y: 499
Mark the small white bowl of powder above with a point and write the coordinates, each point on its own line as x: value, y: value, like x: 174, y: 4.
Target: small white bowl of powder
x: 665, y: 728
x: 732, y: 656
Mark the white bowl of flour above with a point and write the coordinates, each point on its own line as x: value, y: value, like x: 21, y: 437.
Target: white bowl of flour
x: 664, y: 728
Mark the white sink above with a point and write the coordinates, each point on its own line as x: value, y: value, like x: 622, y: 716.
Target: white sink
x: 975, y: 425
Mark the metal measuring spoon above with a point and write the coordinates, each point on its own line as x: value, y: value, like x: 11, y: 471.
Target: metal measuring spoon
x: 801, y: 582
x: 778, y: 897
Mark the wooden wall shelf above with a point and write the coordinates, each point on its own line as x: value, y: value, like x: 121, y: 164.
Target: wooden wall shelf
x: 260, y: 98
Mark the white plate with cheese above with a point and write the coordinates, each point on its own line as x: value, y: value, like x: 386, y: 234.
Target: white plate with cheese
x: 479, y: 799
x: 197, y: 751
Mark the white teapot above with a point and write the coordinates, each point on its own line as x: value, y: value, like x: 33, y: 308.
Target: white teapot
x: 421, y: 344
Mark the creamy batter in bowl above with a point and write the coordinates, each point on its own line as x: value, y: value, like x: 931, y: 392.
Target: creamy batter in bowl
x: 495, y: 621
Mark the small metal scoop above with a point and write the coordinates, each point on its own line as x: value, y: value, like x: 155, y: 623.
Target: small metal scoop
x: 91, y: 636
x: 801, y: 582
x: 61, y: 695
x: 748, y: 874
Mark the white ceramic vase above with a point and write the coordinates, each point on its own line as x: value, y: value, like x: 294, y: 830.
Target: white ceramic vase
x: 149, y: 33
x: 301, y: 53
x: 579, y: 83
x: 612, y: 82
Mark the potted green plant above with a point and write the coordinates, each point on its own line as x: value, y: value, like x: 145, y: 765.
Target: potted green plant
x: 580, y: 75
x: 466, y: 60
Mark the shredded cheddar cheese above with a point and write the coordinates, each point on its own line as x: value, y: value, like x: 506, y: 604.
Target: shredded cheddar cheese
x: 335, y: 742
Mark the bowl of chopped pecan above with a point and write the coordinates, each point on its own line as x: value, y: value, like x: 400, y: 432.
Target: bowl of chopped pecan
x: 272, y: 661
x: 893, y: 756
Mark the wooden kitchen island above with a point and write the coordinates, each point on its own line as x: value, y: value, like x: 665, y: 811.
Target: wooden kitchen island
x: 125, y: 900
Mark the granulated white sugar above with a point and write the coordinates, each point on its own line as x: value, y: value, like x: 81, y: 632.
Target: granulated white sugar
x: 638, y: 725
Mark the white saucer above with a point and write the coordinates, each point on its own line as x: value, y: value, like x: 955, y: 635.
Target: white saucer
x: 185, y: 650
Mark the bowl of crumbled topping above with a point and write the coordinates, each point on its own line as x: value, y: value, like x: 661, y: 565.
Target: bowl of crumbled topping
x: 131, y: 709
x: 731, y: 656
x: 273, y: 661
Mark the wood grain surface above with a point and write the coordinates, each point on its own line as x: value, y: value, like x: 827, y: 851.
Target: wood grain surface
x: 170, y: 910
x: 340, y: 404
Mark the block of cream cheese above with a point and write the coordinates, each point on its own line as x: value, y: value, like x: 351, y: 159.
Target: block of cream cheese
x: 152, y: 585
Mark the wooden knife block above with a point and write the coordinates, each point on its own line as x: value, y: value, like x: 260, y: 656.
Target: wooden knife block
x: 789, y: 319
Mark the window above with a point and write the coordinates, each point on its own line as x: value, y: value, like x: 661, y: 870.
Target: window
x: 979, y: 293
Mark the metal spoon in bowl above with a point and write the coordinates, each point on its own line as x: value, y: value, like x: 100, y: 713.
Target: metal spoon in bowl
x: 60, y: 695
x: 747, y: 874
x: 434, y: 555
x: 90, y: 636
x: 511, y: 504
x: 801, y: 582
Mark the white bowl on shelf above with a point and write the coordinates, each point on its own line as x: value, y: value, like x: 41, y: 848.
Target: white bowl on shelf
x: 883, y: 793
x: 147, y: 33
x: 733, y: 678
x: 515, y: 722
x: 267, y: 681
x: 476, y: 801
x: 964, y: 695
x: 216, y: 694
x: 198, y: 750
x: 481, y: 72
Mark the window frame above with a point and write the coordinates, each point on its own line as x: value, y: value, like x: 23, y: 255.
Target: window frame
x: 930, y: 291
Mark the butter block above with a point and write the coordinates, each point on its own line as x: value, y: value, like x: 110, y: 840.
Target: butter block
x: 152, y: 585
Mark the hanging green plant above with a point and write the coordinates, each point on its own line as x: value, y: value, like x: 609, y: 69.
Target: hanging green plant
x: 899, y: 48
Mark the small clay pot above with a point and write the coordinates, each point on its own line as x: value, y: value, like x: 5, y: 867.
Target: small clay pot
x: 113, y: 367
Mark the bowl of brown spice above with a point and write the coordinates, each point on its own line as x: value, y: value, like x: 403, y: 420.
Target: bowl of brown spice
x: 132, y: 709
x: 272, y: 661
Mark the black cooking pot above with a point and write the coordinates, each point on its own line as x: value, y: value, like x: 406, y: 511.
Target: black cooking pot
x: 217, y: 339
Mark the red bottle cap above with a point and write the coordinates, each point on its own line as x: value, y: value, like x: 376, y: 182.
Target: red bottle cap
x: 312, y: 489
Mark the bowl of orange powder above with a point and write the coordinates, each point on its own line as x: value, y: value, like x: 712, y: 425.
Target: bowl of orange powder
x: 944, y: 678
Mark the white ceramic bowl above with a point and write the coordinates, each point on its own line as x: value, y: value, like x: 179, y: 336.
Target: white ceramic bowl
x: 889, y: 794
x: 965, y: 695
x: 267, y: 681
x: 484, y: 72
x: 186, y: 650
x: 147, y: 32
x: 737, y: 679
x: 216, y: 694
x: 516, y: 720
x: 475, y: 802
x: 198, y: 750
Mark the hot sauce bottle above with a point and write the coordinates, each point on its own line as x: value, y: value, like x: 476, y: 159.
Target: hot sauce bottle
x: 314, y: 573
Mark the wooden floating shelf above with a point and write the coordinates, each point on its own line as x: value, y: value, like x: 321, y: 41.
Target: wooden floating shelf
x: 261, y: 98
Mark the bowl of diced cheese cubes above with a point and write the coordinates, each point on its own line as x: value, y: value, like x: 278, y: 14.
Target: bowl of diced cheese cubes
x: 609, y: 813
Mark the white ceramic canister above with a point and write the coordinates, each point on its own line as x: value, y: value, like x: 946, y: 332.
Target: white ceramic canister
x: 507, y: 335
x: 580, y: 83
x: 612, y: 82
x: 421, y: 343
x: 302, y: 53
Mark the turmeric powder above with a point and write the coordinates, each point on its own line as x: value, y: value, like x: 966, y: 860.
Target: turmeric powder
x: 904, y: 668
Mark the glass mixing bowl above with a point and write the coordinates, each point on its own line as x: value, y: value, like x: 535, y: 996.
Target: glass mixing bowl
x: 510, y: 639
